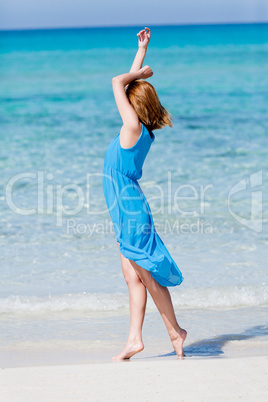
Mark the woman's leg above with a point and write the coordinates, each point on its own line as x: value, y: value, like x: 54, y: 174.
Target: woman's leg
x: 137, y: 304
x: 162, y: 299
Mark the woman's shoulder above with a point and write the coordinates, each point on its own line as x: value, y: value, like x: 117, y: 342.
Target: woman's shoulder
x: 130, y: 134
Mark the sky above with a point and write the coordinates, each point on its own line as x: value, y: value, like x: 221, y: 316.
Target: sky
x: 23, y: 14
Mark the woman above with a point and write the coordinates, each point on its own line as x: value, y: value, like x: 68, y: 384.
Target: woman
x: 146, y: 263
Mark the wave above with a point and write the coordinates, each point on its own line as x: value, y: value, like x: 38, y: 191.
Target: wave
x: 114, y: 303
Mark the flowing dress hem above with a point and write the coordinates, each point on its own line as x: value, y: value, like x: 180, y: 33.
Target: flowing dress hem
x: 145, y: 261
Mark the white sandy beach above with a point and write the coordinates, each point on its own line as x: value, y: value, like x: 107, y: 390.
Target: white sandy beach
x: 212, y: 379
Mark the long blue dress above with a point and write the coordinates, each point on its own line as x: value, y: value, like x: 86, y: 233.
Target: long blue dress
x: 130, y: 212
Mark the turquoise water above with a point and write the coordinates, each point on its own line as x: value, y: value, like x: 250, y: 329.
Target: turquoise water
x: 57, y: 117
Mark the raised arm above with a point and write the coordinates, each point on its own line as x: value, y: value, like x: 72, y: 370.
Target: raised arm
x: 144, y: 39
x: 131, y: 128
x: 127, y: 113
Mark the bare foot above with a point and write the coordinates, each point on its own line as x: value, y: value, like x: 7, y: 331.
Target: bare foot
x: 177, y: 342
x: 129, y: 350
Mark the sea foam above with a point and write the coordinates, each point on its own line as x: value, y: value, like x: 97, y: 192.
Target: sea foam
x: 113, y: 303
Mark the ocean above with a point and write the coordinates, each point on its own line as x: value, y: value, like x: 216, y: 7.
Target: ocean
x: 63, y: 297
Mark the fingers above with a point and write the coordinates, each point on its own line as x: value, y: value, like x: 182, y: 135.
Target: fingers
x: 143, y: 31
x: 148, y: 33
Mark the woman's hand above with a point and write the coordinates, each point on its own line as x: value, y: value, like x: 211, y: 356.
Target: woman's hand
x: 144, y: 37
x: 145, y: 72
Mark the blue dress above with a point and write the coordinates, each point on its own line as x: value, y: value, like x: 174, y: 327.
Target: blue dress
x: 130, y: 211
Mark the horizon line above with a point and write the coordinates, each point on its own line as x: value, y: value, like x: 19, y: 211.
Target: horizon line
x: 136, y: 26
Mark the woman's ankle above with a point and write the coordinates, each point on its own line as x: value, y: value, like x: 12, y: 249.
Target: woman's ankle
x: 176, y: 333
x: 134, y: 339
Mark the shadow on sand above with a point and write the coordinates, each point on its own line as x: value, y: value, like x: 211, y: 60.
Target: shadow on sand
x: 212, y: 347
